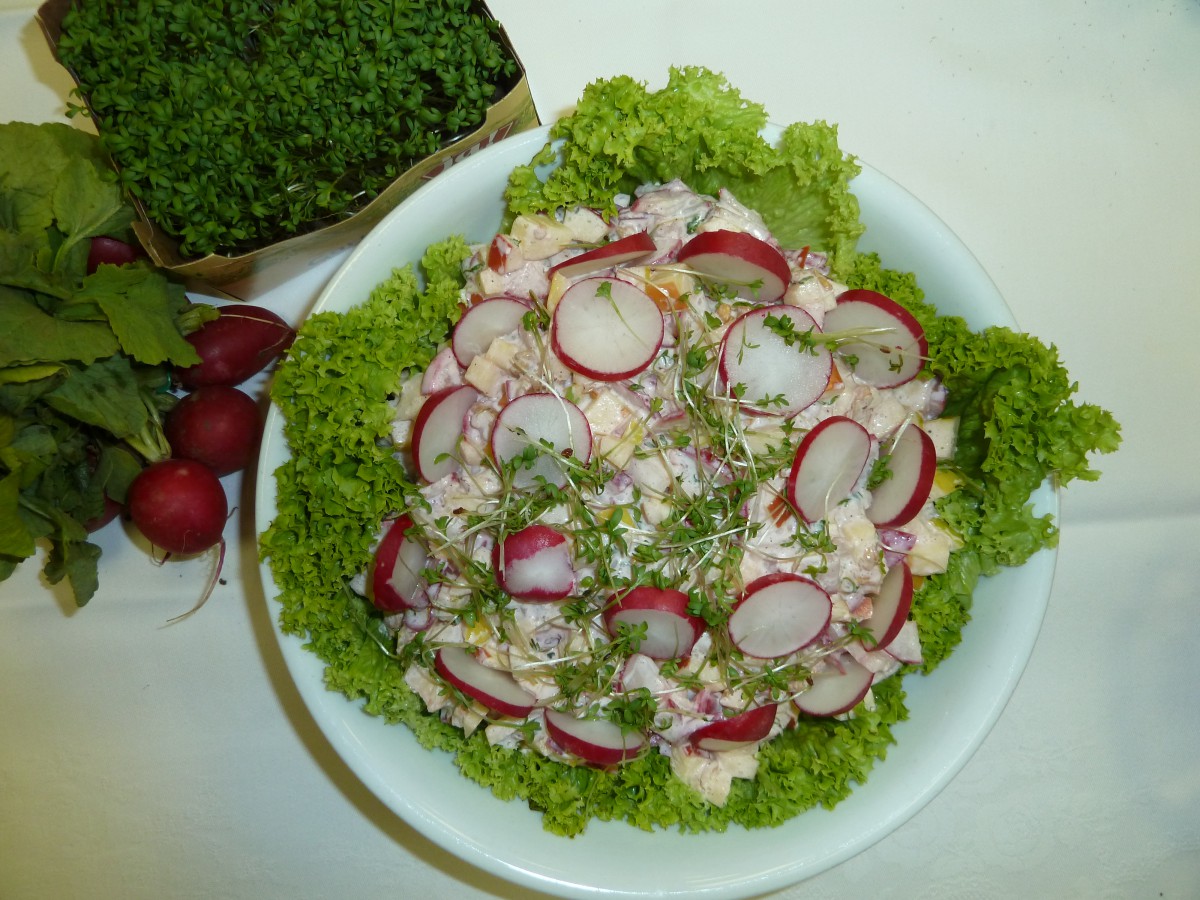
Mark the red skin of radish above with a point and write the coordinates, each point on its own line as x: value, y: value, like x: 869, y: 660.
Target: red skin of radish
x: 111, y: 510
x: 217, y: 425
x: 565, y: 730
x: 112, y: 252
x: 917, y: 450
x: 856, y: 466
x: 429, y: 464
x: 460, y: 673
x: 848, y: 689
x: 630, y: 248
x: 241, y: 342
x: 745, y: 728
x: 519, y: 546
x: 383, y: 595
x: 716, y: 252
x: 469, y: 339
x: 663, y: 601
x: 179, y: 505
x: 891, y: 605
x: 768, y: 581
x: 904, y: 322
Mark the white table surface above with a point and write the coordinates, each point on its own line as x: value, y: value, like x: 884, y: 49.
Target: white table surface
x: 1061, y: 142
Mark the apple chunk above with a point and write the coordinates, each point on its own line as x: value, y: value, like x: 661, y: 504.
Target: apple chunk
x: 778, y: 614
x: 770, y: 363
x: 437, y: 429
x: 912, y: 462
x: 606, y: 329
x: 494, y: 688
x: 595, y: 741
x: 534, y: 564
x: 756, y: 269
x: 553, y: 426
x: 892, y: 349
x: 671, y: 631
x: 631, y: 248
x: 748, y: 727
x: 828, y: 463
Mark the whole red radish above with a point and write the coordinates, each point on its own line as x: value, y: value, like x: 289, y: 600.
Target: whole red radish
x: 242, y: 341
x: 112, y: 252
x: 217, y: 425
x: 179, y: 505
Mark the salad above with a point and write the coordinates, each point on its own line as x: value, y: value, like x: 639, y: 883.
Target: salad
x: 627, y: 509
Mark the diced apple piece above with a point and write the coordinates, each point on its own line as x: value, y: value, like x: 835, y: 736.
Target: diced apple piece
x: 532, y: 419
x: 534, y: 564
x: 890, y: 607
x: 495, y: 689
x: 606, y: 329
x: 912, y: 462
x: 396, y: 580
x: 778, y: 614
x: 598, y: 742
x: 745, y: 728
x: 671, y: 631
x: 895, y: 350
x: 837, y: 690
x: 437, y: 429
x: 630, y: 248
x: 483, y: 323
x: 769, y: 374
x: 906, y: 646
x: 827, y: 466
x: 755, y: 268
x: 539, y: 237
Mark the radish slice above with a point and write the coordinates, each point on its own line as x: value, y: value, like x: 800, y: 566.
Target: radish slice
x: 396, y: 580
x: 778, y: 614
x: 483, y: 323
x: 913, y: 464
x: 745, y: 728
x: 671, y: 631
x: 495, y: 689
x: 886, y: 359
x: 606, y: 329
x: 595, y: 741
x: 531, y: 419
x: 442, y: 372
x: 630, y: 248
x: 827, y: 466
x: 534, y: 564
x: 837, y: 691
x: 437, y: 428
x: 890, y: 607
x: 755, y: 268
x: 764, y: 371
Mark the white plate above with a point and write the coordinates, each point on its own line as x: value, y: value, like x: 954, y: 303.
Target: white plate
x: 950, y: 712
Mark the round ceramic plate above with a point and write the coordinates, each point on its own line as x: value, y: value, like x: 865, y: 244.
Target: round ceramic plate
x: 951, y: 711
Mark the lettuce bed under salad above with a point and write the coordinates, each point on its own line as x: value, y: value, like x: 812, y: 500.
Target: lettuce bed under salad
x: 1018, y: 427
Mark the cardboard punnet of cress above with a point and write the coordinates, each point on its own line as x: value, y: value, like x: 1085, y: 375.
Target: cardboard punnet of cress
x: 511, y: 114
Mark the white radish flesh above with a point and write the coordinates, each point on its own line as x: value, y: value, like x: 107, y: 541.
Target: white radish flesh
x: 837, y: 690
x: 532, y: 419
x: 495, y: 689
x: 606, y: 329
x: 756, y: 269
x: 671, y: 631
x: 778, y: 615
x: 437, y: 430
x: 768, y: 374
x: 631, y: 248
x: 890, y: 607
x: 534, y: 564
x: 895, y: 350
x: 482, y: 323
x: 912, y: 461
x: 595, y: 741
x: 828, y: 464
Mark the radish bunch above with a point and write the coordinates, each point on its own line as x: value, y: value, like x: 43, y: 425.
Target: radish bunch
x: 604, y: 458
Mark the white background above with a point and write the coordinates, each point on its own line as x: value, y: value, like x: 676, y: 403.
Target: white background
x: 1061, y: 143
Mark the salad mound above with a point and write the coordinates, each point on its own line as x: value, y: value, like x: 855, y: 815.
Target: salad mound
x: 338, y: 391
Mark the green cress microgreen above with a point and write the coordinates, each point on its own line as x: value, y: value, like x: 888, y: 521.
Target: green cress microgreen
x: 237, y: 125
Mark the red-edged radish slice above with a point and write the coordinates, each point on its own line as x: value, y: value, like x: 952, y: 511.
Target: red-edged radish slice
x: 595, y: 741
x: 534, y: 564
x: 606, y: 329
x: 827, y: 466
x: 837, y: 690
x: 483, y: 323
x: 437, y: 429
x: 778, y: 614
x: 671, y: 631
x: 494, y: 688
x: 912, y: 462
x: 768, y: 375
x: 442, y: 372
x: 630, y: 248
x: 890, y: 607
x: 885, y: 359
x: 396, y: 580
x: 532, y: 419
x: 906, y: 646
x: 755, y: 268
x: 745, y: 728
